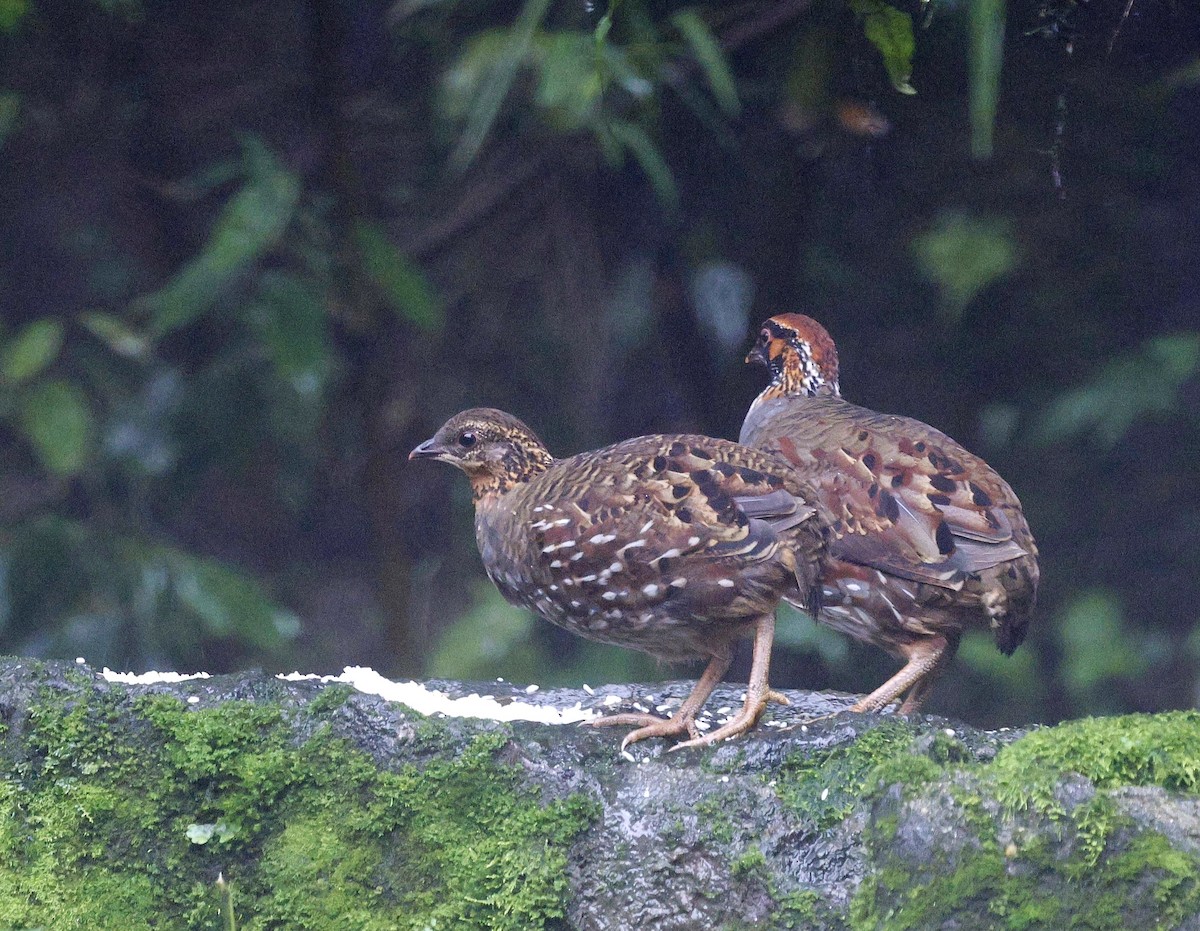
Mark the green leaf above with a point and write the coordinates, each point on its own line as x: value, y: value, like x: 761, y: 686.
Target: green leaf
x: 891, y: 32
x: 1019, y: 672
x: 116, y: 335
x: 1143, y: 383
x: 228, y: 602
x: 797, y: 629
x: 501, y: 71
x: 251, y: 223
x: 292, y: 323
x: 633, y: 139
x: 399, y: 278
x: 987, y: 58
x: 570, y: 83
x: 606, y: 21
x: 200, y: 833
x: 964, y: 254
x: 708, y: 53
x: 56, y: 419
x: 30, y: 351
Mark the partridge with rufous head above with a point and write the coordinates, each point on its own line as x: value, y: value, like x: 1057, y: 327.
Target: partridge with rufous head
x: 925, y: 540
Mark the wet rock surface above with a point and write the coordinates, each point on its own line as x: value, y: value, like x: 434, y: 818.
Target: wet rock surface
x: 818, y: 819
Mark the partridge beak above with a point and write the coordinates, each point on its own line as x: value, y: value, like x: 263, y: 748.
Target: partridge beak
x: 757, y: 354
x: 427, y: 450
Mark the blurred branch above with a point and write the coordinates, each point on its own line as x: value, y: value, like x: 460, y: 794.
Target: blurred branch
x: 484, y: 192
x: 774, y: 15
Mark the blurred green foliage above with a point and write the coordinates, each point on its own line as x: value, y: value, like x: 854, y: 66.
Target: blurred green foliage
x: 99, y: 402
x: 234, y: 301
x: 986, y: 59
x: 1098, y: 645
x: 965, y: 254
x: 1132, y: 387
x: 891, y: 31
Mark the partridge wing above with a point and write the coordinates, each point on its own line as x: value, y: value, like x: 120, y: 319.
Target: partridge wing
x: 905, y: 497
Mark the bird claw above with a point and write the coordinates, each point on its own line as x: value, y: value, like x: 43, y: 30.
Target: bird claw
x: 668, y: 727
x: 732, y: 729
x: 649, y: 725
x: 630, y: 717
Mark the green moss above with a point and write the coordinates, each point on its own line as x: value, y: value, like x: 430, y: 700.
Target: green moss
x: 715, y: 813
x: 1148, y: 885
x: 1132, y: 750
x: 826, y: 785
x: 805, y: 911
x: 1113, y: 876
x: 100, y: 827
x: 330, y: 698
x: 750, y: 865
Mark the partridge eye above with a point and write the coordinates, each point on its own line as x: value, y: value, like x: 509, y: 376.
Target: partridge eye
x: 763, y: 337
x: 467, y: 440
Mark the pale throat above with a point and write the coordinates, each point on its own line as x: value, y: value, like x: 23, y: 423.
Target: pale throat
x: 800, y: 375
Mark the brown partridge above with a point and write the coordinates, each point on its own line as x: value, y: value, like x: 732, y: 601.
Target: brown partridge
x: 925, y: 538
x: 673, y: 545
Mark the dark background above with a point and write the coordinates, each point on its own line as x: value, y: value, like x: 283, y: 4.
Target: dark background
x: 252, y: 253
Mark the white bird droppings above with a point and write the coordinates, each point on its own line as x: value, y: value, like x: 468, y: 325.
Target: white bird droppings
x: 150, y: 678
x: 429, y: 701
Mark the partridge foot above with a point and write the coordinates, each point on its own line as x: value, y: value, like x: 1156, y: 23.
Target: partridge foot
x: 758, y: 692
x: 651, y: 726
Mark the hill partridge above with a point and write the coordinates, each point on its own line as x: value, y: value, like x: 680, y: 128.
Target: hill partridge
x: 673, y: 545
x: 925, y: 538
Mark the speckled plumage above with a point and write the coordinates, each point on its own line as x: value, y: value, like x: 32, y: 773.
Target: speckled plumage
x: 925, y: 538
x: 673, y: 545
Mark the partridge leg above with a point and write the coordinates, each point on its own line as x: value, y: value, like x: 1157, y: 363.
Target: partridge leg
x: 682, y: 721
x: 757, y: 690
x: 920, y: 691
x: 924, y: 657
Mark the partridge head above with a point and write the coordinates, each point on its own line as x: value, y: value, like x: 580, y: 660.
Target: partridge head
x: 799, y: 354
x: 675, y: 545
x: 495, y: 450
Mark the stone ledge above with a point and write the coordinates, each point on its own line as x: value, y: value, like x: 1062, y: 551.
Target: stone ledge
x: 303, y: 804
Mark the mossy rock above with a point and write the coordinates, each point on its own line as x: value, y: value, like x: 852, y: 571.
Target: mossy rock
x: 252, y: 803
